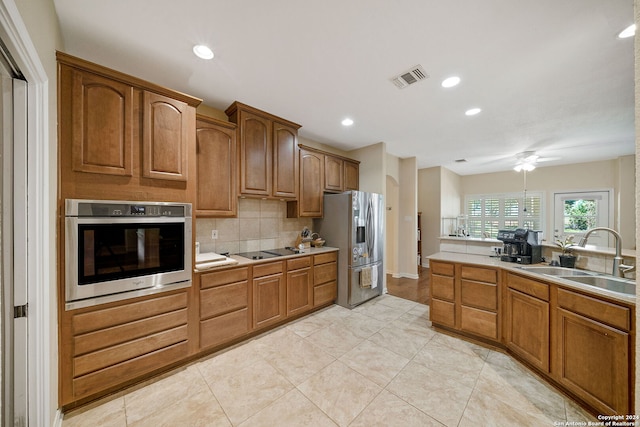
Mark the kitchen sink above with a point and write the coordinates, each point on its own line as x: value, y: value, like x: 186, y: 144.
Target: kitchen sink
x: 560, y: 271
x: 624, y: 286
x: 591, y: 278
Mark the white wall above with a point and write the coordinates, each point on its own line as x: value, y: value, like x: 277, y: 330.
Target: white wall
x: 429, y: 203
x: 407, y: 219
x: 601, y: 175
x: 392, y: 206
x: 373, y: 166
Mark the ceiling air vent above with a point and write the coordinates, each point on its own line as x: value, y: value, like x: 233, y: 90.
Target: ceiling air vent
x: 413, y: 75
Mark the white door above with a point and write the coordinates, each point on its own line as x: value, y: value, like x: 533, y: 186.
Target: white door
x: 577, y: 212
x: 13, y: 111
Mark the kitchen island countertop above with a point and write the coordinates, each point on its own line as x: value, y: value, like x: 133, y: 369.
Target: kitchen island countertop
x: 489, y: 261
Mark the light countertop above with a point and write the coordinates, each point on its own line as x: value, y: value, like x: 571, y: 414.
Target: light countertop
x: 488, y: 261
x: 242, y: 261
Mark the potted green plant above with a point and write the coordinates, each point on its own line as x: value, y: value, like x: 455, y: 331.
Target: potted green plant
x: 567, y: 259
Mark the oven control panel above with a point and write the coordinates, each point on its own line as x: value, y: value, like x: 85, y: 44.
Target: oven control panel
x: 127, y: 209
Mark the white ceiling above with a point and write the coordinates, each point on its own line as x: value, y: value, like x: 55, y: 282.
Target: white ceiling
x: 549, y: 75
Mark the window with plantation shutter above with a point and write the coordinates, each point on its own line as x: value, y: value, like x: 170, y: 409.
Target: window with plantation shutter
x: 488, y: 213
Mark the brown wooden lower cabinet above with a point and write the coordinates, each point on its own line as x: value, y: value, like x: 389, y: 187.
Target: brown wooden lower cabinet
x: 325, y: 278
x: 103, y: 348
x: 109, y: 346
x: 582, y: 343
x: 224, y: 298
x: 269, y: 294
x: 443, y: 294
x: 593, y: 351
x: 299, y: 285
x: 527, y: 328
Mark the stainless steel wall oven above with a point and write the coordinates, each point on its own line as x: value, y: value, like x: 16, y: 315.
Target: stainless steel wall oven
x: 116, y: 250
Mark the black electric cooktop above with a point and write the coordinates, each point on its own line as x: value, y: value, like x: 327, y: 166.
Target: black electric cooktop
x: 269, y: 253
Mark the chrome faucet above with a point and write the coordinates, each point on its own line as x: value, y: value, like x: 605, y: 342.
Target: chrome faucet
x: 618, y: 267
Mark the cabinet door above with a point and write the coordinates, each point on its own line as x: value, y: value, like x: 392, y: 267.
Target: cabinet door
x: 333, y: 174
x: 593, y: 362
x: 215, y: 170
x: 527, y: 329
x: 102, y: 125
x: 299, y: 291
x: 285, y: 161
x: 165, y: 138
x: 256, y: 152
x: 351, y: 176
x: 268, y: 300
x: 311, y: 184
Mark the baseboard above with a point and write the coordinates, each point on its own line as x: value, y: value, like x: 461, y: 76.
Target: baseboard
x: 57, y: 421
x: 425, y: 264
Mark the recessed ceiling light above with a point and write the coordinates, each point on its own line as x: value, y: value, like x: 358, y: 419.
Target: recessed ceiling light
x: 451, y: 81
x: 630, y: 31
x: 347, y: 122
x: 472, y: 111
x: 203, y: 51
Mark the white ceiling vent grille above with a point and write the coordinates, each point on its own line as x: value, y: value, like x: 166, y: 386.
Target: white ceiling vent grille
x: 409, y: 77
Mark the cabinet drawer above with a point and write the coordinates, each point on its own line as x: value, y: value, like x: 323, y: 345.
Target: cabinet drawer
x: 479, y: 274
x: 528, y: 286
x: 113, y: 376
x: 103, y: 338
x: 325, y: 293
x: 325, y: 258
x: 128, y: 312
x: 114, y: 355
x: 442, y: 268
x: 223, y: 277
x: 479, y: 322
x: 267, y: 269
x: 325, y: 273
x: 223, y: 299
x: 221, y: 329
x: 298, y: 263
x: 443, y: 312
x: 442, y: 287
x: 605, y: 312
x: 479, y: 294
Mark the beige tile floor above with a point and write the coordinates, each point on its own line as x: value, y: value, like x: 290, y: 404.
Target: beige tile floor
x: 380, y: 364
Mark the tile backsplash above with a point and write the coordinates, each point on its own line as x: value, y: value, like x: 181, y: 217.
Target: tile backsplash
x: 261, y: 224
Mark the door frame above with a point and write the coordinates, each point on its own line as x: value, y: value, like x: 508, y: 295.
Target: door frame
x: 40, y: 221
x: 559, y: 196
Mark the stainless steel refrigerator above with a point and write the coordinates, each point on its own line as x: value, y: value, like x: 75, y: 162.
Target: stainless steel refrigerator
x: 353, y: 222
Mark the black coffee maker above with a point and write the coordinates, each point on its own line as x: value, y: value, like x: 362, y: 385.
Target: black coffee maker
x: 521, y: 246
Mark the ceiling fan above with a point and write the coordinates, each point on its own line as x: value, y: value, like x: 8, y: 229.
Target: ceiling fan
x: 528, y: 160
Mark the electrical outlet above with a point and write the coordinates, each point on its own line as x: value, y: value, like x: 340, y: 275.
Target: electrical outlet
x: 214, y: 234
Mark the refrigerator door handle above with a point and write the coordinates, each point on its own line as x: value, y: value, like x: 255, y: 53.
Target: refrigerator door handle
x: 370, y: 232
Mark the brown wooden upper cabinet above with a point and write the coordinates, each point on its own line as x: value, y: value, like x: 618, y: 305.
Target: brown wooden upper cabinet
x: 268, y: 153
x: 216, y: 189
x: 310, y: 201
x: 166, y: 123
x: 119, y: 135
x: 102, y: 125
x: 321, y: 172
x: 351, y: 175
x: 340, y: 174
x: 333, y: 174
